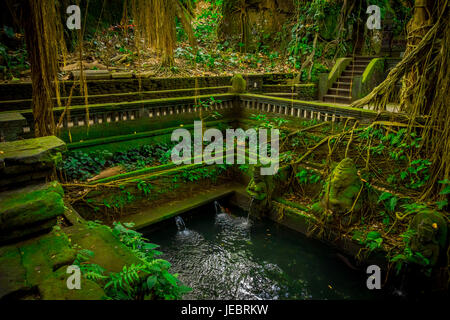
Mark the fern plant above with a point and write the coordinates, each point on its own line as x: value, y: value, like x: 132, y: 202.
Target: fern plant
x: 148, y: 280
x: 90, y: 271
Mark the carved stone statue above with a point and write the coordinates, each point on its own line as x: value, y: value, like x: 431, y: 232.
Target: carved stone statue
x: 341, y: 192
x: 238, y: 84
x: 430, y: 236
x: 260, y: 190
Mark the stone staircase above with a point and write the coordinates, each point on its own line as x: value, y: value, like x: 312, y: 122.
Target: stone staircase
x: 341, y: 90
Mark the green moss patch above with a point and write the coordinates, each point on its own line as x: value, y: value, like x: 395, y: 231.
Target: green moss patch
x: 30, y: 205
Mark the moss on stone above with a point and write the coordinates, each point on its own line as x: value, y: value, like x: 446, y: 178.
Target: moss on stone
x: 12, y: 273
x: 31, y: 151
x: 30, y: 205
x: 238, y: 84
x: 376, y: 64
x: 109, y: 252
x: 115, y: 143
x: 55, y: 288
x: 44, y: 255
x: 337, y: 69
x: 372, y: 76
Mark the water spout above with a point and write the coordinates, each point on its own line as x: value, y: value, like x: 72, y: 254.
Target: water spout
x: 180, y: 223
x: 218, y: 207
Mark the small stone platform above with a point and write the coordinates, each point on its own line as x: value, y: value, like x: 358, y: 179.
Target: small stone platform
x: 28, y: 161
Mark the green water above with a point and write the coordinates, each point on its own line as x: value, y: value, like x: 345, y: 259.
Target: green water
x: 221, y: 256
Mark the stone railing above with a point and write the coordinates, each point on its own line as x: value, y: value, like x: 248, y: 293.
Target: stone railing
x: 373, y: 75
x: 158, y: 108
x: 150, y: 113
x: 311, y: 110
x: 144, y: 115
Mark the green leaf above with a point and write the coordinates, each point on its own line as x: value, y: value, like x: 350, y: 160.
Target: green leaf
x: 442, y: 204
x: 128, y: 224
x: 446, y: 190
x: 151, y: 281
x: 384, y: 196
x: 373, y: 235
x: 150, y: 246
x: 392, y: 203
x: 170, y: 278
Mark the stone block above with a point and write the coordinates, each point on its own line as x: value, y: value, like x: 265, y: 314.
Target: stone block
x: 121, y: 75
x: 11, y: 126
x: 30, y: 159
x: 92, y: 74
x: 30, y: 210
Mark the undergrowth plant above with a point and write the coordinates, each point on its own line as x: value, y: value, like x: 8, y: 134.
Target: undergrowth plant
x: 148, y: 279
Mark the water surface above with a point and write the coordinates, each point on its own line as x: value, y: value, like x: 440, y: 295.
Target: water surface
x: 224, y: 256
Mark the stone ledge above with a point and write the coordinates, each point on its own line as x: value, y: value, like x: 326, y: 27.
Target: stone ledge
x: 11, y: 125
x: 30, y: 210
x: 29, y: 161
x: 30, y: 151
x: 156, y: 214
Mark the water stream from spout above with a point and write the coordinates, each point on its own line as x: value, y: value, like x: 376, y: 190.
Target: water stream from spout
x: 250, y: 208
x: 218, y: 207
x: 180, y: 223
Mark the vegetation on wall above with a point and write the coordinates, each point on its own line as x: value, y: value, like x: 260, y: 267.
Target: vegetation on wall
x: 424, y: 75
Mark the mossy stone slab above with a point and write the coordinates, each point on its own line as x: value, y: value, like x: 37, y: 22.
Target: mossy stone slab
x: 12, y: 273
x: 7, y: 118
x: 30, y: 205
x: 30, y: 151
x: 46, y: 254
x: 55, y: 288
x: 109, y: 252
x: 27, y: 264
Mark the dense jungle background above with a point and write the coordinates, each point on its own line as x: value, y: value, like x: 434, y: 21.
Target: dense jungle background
x: 213, y: 37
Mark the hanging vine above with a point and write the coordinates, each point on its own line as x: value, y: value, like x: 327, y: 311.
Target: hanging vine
x: 156, y: 25
x: 425, y: 86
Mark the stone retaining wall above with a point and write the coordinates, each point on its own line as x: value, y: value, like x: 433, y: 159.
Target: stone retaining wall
x: 23, y: 90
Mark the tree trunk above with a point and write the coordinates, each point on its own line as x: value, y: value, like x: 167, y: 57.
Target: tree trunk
x: 39, y: 21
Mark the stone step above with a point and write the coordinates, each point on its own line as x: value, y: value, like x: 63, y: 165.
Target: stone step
x: 351, y: 73
x: 339, y: 92
x: 341, y: 85
x: 30, y: 210
x: 91, y: 75
x: 358, y: 67
x: 346, y: 79
x: 362, y: 62
x: 337, y: 99
x: 364, y: 58
x: 11, y: 126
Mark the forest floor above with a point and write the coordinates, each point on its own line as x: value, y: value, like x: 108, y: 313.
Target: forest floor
x: 115, y: 49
